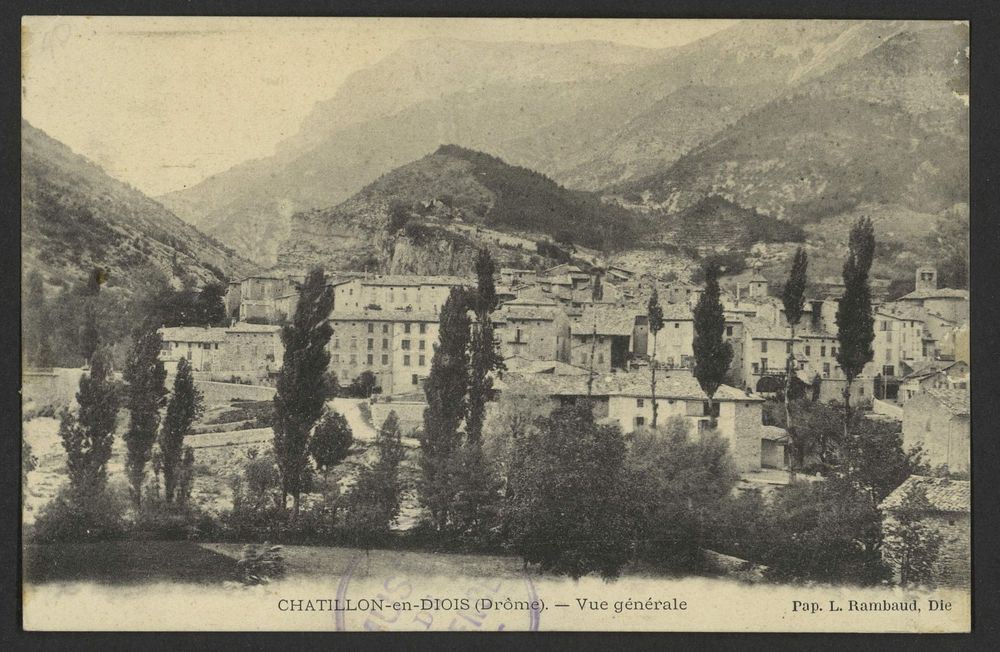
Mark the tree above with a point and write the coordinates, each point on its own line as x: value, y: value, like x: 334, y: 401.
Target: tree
x: 145, y: 394
x: 374, y: 501
x: 90, y: 336
x: 677, y: 483
x: 712, y: 354
x: 654, y: 313
x: 210, y: 306
x: 855, y: 322
x: 183, y: 408
x: 569, y: 512
x: 87, y: 437
x: 872, y: 458
x: 793, y: 298
x: 446, y: 389
x: 301, y: 389
x: 484, y: 353
x: 911, y: 546
x: 35, y: 329
x: 331, y: 440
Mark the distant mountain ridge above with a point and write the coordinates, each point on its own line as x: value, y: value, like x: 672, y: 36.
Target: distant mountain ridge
x: 75, y: 218
x: 772, y: 115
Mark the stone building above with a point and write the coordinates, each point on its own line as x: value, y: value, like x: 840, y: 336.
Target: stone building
x: 422, y: 294
x: 252, y: 352
x: 532, y: 331
x: 257, y: 297
x: 938, y: 421
x: 202, y: 346
x: 949, y: 514
x: 395, y: 345
x: 949, y: 303
x: 603, y: 332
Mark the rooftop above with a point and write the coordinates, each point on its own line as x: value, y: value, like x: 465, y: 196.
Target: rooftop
x: 668, y: 386
x: 955, y: 401
x: 944, y: 494
x: 407, y: 280
x: 940, y: 293
x: 383, y: 315
x: 244, y: 327
x: 609, y: 319
x: 192, y: 334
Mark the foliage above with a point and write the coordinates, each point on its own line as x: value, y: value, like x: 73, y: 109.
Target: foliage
x: 550, y: 250
x: 950, y: 239
x: 259, y: 413
x: 712, y: 354
x: 34, y: 316
x: 654, y: 314
x: 872, y: 458
x: 87, y: 437
x: 568, y: 495
x: 260, y: 565
x: 446, y: 389
x: 373, y: 503
x: 363, y: 386
x: 331, y: 440
x: 28, y: 461
x: 184, y: 407
x: 301, y: 393
x: 476, y: 507
x: 793, y: 299
x: 145, y: 394
x: 725, y: 263
x: 677, y: 483
x: 484, y: 349
x: 911, y: 546
x: 855, y: 323
x: 74, y: 517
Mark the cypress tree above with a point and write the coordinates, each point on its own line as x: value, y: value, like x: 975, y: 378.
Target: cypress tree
x: 712, y: 354
x: 793, y: 298
x: 145, y: 394
x: 301, y: 388
x: 183, y: 408
x: 855, y: 322
x: 654, y: 313
x: 446, y: 389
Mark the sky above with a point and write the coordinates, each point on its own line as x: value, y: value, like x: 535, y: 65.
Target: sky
x: 163, y: 103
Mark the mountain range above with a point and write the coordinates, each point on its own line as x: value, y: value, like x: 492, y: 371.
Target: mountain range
x: 76, y: 218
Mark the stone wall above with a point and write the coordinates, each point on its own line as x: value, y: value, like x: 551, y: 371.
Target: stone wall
x: 215, y: 393
x: 952, y: 567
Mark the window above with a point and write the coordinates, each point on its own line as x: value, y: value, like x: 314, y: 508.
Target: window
x: 888, y: 337
x: 423, y: 328
x: 888, y: 355
x: 189, y: 354
x: 189, y: 345
x: 406, y: 361
x: 422, y: 345
x: 640, y: 422
x: 371, y: 344
x: 826, y: 370
x: 385, y: 359
x: 421, y: 360
x: 788, y: 347
x: 822, y: 351
x: 677, y: 324
x: 729, y: 331
x: 354, y: 359
x: 405, y: 345
x: 763, y: 346
x: 763, y: 364
x: 354, y: 342
x: 385, y: 328
x: 756, y: 369
x: 336, y: 358
x: 888, y: 370
x: 371, y: 359
x: 406, y: 328
x: 216, y: 346
x: 206, y: 345
x: 833, y: 351
x: 640, y: 402
x: 336, y: 343
x: 371, y: 328
x: 414, y: 380
x: 385, y: 343
x: 600, y: 358
x: 518, y: 338
x: 808, y: 350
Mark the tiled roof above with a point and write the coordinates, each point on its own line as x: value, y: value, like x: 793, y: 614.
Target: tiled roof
x: 403, y: 279
x: 514, y: 312
x: 519, y: 365
x: 668, y: 386
x: 940, y: 293
x: 955, y: 401
x: 192, y: 334
x: 244, y: 327
x: 944, y: 495
x: 610, y: 320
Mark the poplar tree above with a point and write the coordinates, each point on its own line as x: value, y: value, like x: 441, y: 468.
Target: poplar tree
x: 88, y: 435
x: 654, y: 313
x: 374, y: 501
x: 145, y: 395
x: 855, y: 322
x: 712, y: 354
x: 484, y: 355
x: 793, y: 298
x: 301, y: 387
x: 446, y: 389
x: 183, y: 408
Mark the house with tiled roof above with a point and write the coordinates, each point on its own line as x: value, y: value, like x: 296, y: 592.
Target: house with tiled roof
x: 626, y: 400
x: 938, y: 421
x: 952, y: 304
x: 947, y: 512
x: 601, y: 336
x: 201, y: 346
x: 533, y: 329
x: 396, y: 292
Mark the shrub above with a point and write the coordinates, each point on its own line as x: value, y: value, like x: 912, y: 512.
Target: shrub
x: 331, y: 440
x: 260, y: 565
x: 75, y: 517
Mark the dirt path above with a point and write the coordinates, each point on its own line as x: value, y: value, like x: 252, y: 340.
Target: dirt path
x: 350, y: 408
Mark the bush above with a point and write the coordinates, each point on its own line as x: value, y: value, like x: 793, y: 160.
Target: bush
x: 260, y: 565
x: 331, y: 440
x: 162, y: 521
x: 72, y: 517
